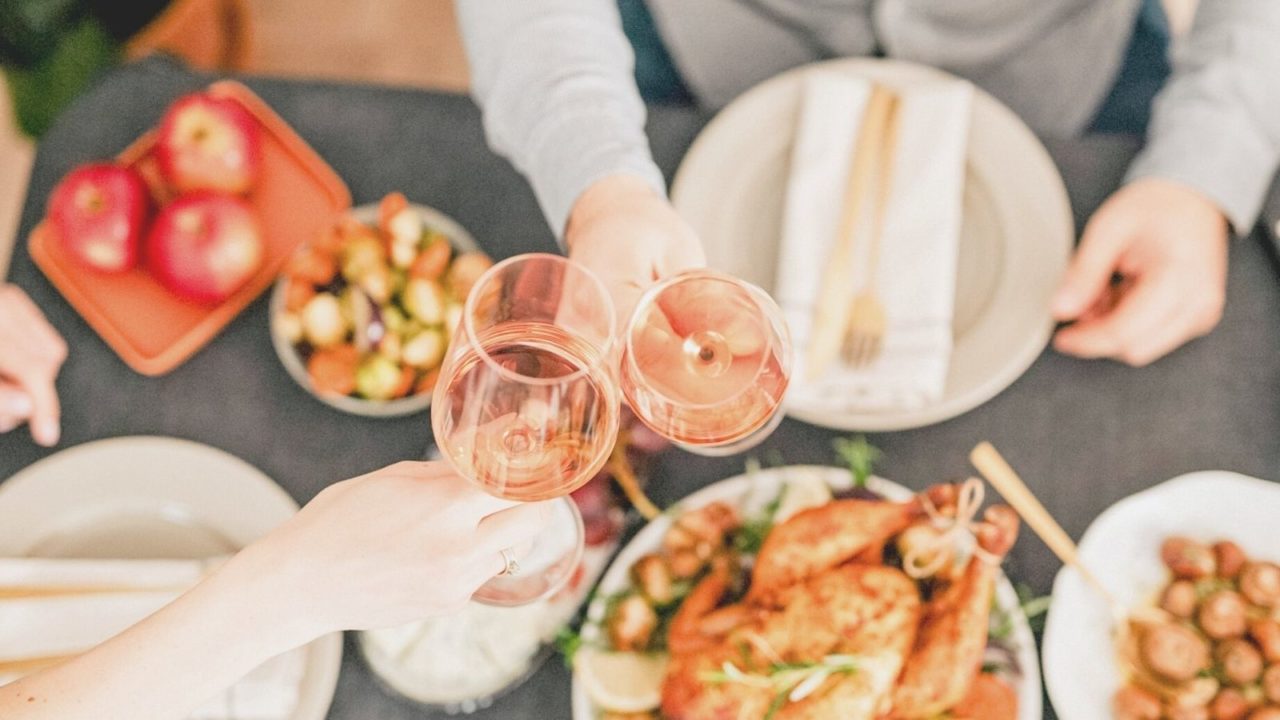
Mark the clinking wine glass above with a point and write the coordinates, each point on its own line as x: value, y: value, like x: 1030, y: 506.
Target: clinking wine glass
x: 527, y: 405
x: 706, y: 362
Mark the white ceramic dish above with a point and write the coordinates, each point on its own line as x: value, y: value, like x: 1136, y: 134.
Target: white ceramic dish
x: 750, y: 493
x: 461, y: 241
x: 1122, y: 548
x: 151, y: 497
x: 1015, y: 241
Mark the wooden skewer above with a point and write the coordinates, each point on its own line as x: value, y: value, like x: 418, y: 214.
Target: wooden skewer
x: 997, y: 471
x: 29, y: 665
x: 831, y: 316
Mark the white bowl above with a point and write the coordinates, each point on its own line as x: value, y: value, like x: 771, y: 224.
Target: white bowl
x: 399, y: 407
x: 1122, y: 548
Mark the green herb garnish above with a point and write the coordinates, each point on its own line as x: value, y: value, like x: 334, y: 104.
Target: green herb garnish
x: 790, y: 682
x: 859, y: 455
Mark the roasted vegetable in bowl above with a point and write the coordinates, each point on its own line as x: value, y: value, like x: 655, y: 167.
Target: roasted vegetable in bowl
x: 368, y: 308
x: 1217, y: 657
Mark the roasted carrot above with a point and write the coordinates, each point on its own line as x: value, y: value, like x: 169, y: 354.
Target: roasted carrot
x: 433, y: 260
x: 333, y: 370
x: 297, y: 293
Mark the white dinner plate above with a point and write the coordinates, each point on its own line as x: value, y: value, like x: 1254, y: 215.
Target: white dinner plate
x: 1016, y: 235
x: 152, y: 497
x: 751, y: 492
x: 1122, y: 548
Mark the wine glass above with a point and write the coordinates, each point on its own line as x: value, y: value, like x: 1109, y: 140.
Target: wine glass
x: 706, y: 362
x: 527, y: 404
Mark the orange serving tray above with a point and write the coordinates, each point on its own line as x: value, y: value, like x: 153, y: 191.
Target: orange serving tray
x: 297, y: 195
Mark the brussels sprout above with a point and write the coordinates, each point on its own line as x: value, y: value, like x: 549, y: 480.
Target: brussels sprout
x: 376, y: 283
x: 322, y: 321
x: 403, y: 253
x: 424, y: 350
x: 290, y: 326
x: 424, y: 299
x: 452, y: 317
x: 395, y: 320
x: 362, y: 254
x: 390, y: 347
x: 377, y: 378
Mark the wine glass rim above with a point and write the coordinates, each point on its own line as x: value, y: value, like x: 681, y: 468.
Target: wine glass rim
x: 756, y: 294
x: 605, y: 347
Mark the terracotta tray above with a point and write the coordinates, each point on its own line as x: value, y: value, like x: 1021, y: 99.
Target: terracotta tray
x: 297, y: 195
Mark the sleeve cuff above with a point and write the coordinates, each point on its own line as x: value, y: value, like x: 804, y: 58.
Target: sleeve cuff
x: 584, y: 147
x: 1218, y: 153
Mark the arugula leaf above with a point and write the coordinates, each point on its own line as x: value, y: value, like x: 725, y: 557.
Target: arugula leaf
x: 749, y: 538
x: 859, y: 455
x: 568, y: 642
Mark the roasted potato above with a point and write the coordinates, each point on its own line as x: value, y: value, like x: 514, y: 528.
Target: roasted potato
x: 1240, y: 660
x: 1266, y: 633
x: 1135, y: 703
x: 631, y: 624
x: 1270, y: 712
x: 1229, y: 557
x: 1174, y: 652
x: 1180, y: 599
x: 1187, y: 558
x: 653, y: 577
x: 1223, y: 615
x: 1271, y: 684
x: 1229, y: 704
x: 1260, y: 583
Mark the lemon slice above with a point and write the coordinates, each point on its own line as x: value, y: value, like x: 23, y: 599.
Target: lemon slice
x: 802, y: 491
x: 621, y: 682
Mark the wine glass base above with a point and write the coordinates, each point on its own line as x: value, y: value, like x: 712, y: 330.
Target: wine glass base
x: 548, y: 565
x: 754, y: 438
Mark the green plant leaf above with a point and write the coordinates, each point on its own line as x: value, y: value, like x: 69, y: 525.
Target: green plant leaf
x: 859, y: 455
x: 42, y: 91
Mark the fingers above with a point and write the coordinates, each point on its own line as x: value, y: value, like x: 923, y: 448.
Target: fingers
x: 45, y: 409
x: 1145, y: 324
x: 513, y: 527
x: 15, y: 407
x: 1089, y: 275
x: 468, y: 497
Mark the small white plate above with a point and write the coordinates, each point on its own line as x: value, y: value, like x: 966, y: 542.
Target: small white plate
x: 1122, y: 548
x: 152, y: 497
x: 750, y: 493
x: 399, y: 407
x: 1015, y: 239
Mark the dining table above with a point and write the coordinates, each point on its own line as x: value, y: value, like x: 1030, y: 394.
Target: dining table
x: 1082, y: 433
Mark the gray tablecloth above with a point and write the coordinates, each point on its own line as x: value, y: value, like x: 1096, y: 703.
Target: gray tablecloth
x: 1084, y: 434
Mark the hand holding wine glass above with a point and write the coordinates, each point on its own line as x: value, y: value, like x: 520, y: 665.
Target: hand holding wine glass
x: 527, y: 404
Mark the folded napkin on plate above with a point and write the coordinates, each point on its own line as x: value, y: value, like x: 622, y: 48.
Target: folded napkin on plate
x: 917, y: 265
x: 50, y: 609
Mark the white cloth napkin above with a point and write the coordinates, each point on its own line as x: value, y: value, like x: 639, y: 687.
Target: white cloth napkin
x: 917, y: 267
x: 102, y: 598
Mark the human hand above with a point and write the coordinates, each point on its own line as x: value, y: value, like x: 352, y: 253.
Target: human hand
x: 400, y: 544
x: 630, y: 237
x: 1168, y: 243
x: 31, y: 353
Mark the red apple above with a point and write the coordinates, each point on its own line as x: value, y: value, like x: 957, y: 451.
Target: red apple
x: 99, y: 212
x: 205, y: 245
x: 208, y: 143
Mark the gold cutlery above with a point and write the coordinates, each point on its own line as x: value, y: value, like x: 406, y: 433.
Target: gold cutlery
x: 834, y: 307
x: 864, y: 338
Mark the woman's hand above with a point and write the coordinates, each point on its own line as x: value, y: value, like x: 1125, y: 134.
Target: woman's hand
x: 31, y: 354
x: 1168, y: 244
x: 397, y: 545
x: 630, y: 237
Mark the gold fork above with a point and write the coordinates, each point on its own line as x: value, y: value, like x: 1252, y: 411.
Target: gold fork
x: 864, y: 337
x: 833, y: 309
